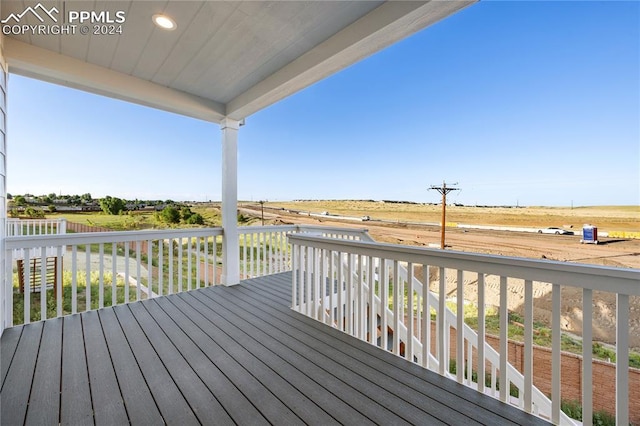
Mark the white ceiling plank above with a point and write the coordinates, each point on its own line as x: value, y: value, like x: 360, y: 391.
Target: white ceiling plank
x: 102, y: 47
x: 205, y: 24
x: 136, y: 33
x: 192, y: 38
x: 207, y: 59
x: 36, y: 62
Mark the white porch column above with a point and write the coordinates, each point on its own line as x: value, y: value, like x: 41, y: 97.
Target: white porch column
x: 230, y: 239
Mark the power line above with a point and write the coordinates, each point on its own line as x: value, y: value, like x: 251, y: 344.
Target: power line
x: 444, y: 190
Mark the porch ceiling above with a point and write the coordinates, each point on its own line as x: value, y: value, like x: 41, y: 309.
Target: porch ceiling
x: 225, y: 58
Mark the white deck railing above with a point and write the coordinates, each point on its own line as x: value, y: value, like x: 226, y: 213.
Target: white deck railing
x: 353, y: 285
x: 16, y: 227
x: 98, y: 269
x: 26, y: 227
x: 264, y: 250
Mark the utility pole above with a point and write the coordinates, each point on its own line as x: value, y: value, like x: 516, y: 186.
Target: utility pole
x: 444, y: 190
x: 262, y: 210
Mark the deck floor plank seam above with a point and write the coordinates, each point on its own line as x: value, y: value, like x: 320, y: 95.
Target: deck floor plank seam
x: 225, y: 391
x: 411, y: 370
x: 399, y: 395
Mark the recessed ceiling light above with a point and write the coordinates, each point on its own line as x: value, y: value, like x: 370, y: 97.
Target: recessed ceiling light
x: 164, y: 22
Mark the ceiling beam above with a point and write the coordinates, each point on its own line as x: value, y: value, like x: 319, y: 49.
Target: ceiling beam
x: 42, y: 64
x: 380, y: 28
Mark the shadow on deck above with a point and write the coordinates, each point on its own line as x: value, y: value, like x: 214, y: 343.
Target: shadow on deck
x: 221, y: 355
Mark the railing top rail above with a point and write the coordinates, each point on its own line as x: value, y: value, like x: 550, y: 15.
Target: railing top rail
x: 604, y: 278
x: 52, y: 240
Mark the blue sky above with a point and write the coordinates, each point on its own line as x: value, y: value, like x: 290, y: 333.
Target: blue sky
x: 529, y: 103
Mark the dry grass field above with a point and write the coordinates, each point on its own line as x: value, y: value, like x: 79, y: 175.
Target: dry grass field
x: 607, y: 218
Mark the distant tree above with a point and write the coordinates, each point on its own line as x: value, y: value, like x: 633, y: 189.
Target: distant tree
x: 195, y: 219
x: 86, y: 198
x: 186, y: 213
x: 51, y: 208
x: 33, y: 213
x: 112, y: 205
x: 9, y: 196
x: 19, y: 200
x: 170, y: 214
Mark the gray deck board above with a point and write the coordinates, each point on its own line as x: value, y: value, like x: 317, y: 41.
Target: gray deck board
x: 140, y: 405
x: 341, y: 411
x: 223, y: 389
x: 202, y: 402
x: 412, y: 405
x: 222, y: 355
x: 45, y: 391
x: 373, y: 402
x: 10, y: 339
x: 105, y: 393
x: 295, y: 398
x: 250, y: 373
x: 390, y: 394
x: 17, y: 387
x: 75, y: 396
x: 169, y: 399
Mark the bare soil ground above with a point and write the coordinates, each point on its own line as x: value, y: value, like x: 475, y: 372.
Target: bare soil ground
x: 609, y: 252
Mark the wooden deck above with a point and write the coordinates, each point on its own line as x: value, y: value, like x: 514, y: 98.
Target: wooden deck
x: 219, y: 356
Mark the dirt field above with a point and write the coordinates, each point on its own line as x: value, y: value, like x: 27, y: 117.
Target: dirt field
x: 610, y: 252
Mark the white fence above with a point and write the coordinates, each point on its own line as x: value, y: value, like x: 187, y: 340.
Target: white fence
x: 355, y: 285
